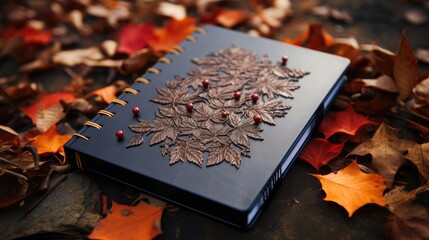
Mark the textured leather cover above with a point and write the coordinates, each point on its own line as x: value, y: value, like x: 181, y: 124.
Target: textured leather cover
x: 224, y: 192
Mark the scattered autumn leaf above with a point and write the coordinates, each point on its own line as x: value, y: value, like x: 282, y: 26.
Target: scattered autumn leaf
x: 46, y: 117
x: 405, y: 70
x: 172, y: 10
x: 398, y: 197
x: 386, y: 150
x: 319, y: 152
x: 127, y: 222
x: 422, y: 54
x: 419, y: 155
x: 408, y: 222
x: 348, y: 122
x: 133, y: 37
x: 166, y: 38
x: 315, y: 38
x: 383, y: 82
x: 35, y: 36
x: 47, y: 101
x: 352, y: 189
x: 108, y: 93
x: 113, y: 12
x: 384, y: 60
x: 50, y: 142
x: 230, y: 17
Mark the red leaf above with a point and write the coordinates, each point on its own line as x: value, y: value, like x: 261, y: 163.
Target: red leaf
x: 47, y: 101
x: 166, y: 38
x: 133, y: 37
x: 348, y: 122
x: 34, y: 36
x: 320, y: 152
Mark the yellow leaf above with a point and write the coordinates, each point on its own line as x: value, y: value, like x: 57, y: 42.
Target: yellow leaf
x: 351, y: 188
x: 127, y: 222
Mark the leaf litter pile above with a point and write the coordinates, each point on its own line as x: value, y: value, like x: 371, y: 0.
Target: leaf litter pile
x: 63, y: 61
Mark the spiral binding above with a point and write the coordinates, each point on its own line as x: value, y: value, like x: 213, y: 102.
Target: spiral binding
x: 176, y: 50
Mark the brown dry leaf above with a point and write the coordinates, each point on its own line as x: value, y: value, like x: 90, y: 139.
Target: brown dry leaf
x: 419, y: 155
x: 8, y: 136
x: 12, y: 189
x: 384, y: 60
x: 408, y: 222
x: 118, y: 11
x: 380, y: 104
x: 127, y: 222
x: 398, y: 197
x: 75, y: 18
x: 352, y: 189
x: 383, y: 82
x: 45, y: 118
x: 43, y: 60
x: 386, y: 150
x: 405, y: 70
x: 422, y: 54
x: 109, y: 93
x: 78, y: 56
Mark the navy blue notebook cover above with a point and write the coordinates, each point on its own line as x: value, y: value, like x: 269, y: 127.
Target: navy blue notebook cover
x: 220, y: 146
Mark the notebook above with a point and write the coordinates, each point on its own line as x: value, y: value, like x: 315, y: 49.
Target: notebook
x: 215, y: 124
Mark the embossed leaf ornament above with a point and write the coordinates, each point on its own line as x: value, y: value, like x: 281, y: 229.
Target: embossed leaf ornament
x: 218, y: 108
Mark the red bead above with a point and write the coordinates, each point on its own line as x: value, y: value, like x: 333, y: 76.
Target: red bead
x: 206, y: 83
x: 136, y: 111
x: 237, y: 95
x: 255, y: 97
x: 119, y: 134
x: 284, y: 59
x: 224, y: 114
x: 190, y: 106
x: 257, y: 118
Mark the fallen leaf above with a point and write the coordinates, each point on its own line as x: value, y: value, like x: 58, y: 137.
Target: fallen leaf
x: 172, y: 10
x: 47, y: 101
x: 343, y: 50
x: 12, y: 189
x: 334, y: 13
x: 383, y: 82
x: 380, y: 104
x: 347, y: 122
x: 133, y: 37
x: 118, y: 11
x: 415, y: 16
x: 230, y: 17
x: 166, y: 38
x: 386, y: 150
x: 315, y: 38
x: 46, y: 117
x: 127, y: 222
x: 405, y: 70
x: 419, y: 155
x: 352, y: 189
x: 398, y: 197
x: 76, y: 57
x: 319, y: 152
x: 50, y: 142
x: 35, y: 36
x: 384, y: 60
x: 422, y: 54
x: 8, y: 135
x: 108, y: 93
x: 408, y: 222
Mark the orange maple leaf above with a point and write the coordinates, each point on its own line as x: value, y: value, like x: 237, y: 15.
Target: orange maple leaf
x: 50, y: 141
x: 166, y: 38
x: 352, y: 189
x: 126, y: 222
x: 108, y: 93
x: 47, y: 101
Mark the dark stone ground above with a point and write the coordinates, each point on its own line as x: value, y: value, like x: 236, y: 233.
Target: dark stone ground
x: 297, y: 210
